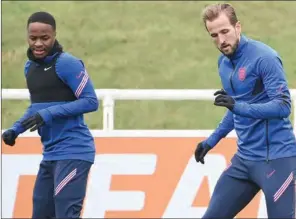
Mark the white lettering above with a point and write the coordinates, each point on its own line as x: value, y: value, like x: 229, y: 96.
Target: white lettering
x: 180, y: 205
x: 100, y: 198
x: 262, y: 211
x: 12, y: 167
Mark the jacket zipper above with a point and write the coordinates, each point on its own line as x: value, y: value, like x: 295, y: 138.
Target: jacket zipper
x: 267, y: 142
x: 231, y: 76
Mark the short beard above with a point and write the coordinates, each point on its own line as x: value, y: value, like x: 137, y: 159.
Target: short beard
x: 233, y: 49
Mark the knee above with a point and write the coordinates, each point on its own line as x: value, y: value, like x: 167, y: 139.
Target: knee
x: 210, y: 213
x: 68, y: 208
x: 43, y: 208
x: 217, y: 212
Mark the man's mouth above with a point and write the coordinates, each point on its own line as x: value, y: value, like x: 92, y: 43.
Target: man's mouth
x: 38, y: 52
x: 224, y: 47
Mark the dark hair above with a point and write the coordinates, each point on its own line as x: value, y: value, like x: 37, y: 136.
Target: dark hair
x: 211, y: 12
x: 42, y: 17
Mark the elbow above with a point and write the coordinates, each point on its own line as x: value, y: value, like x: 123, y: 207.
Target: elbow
x: 97, y: 104
x: 286, y: 106
x: 285, y: 110
x: 90, y: 104
x: 94, y: 103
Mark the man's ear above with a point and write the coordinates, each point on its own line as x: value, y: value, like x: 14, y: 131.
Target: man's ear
x: 238, y: 27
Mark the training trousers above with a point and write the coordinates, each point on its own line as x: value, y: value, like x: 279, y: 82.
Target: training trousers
x: 60, y: 189
x: 242, y: 180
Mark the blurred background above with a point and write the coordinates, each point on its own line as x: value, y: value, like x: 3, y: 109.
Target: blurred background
x: 153, y: 44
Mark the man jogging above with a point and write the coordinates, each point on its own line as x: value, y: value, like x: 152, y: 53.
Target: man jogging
x: 258, y: 104
x: 60, y: 93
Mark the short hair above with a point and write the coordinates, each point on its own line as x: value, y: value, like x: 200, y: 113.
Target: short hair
x: 42, y: 17
x: 211, y: 12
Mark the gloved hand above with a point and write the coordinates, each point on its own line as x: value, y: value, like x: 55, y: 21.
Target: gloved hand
x: 221, y: 91
x: 9, y: 137
x: 223, y: 99
x: 200, y: 152
x: 33, y: 122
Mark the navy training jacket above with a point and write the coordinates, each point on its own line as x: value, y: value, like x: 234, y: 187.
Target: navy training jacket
x: 254, y: 76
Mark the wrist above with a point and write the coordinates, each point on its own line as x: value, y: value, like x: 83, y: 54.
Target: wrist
x: 45, y: 115
x: 208, y: 143
x: 17, y: 130
x: 237, y: 108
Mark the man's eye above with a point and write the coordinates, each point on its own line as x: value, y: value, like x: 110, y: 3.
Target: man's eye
x: 225, y: 31
x: 45, y: 38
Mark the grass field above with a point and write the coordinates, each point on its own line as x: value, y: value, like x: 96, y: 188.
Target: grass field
x: 143, y: 45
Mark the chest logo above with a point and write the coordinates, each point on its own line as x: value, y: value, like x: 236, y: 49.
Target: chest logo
x: 242, y: 74
x: 45, y: 69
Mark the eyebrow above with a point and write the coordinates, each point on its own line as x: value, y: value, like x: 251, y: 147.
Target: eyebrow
x: 43, y: 35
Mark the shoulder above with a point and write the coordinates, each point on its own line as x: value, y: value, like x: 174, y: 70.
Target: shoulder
x: 263, y: 54
x: 68, y: 59
x: 268, y: 63
x: 67, y: 63
x: 268, y: 60
x: 221, y: 59
x: 27, y: 66
x: 262, y: 51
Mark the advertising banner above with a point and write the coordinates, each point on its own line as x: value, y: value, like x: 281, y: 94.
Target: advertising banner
x: 133, y: 177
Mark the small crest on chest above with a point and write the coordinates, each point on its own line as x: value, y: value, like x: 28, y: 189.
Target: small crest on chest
x: 242, y: 73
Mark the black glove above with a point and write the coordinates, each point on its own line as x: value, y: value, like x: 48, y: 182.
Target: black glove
x: 221, y: 91
x: 201, y: 151
x: 9, y: 137
x: 224, y: 100
x: 33, y: 122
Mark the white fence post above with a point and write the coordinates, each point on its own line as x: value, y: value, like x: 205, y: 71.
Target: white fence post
x: 108, y: 113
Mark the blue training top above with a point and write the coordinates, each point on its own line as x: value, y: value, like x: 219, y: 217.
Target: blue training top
x: 65, y: 135
x: 255, y: 78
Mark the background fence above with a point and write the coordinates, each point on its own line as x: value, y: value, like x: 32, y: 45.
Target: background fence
x: 109, y: 96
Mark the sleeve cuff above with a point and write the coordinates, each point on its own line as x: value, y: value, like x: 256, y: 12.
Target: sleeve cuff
x: 17, y: 130
x: 46, y: 116
x: 212, y: 141
x: 238, y: 108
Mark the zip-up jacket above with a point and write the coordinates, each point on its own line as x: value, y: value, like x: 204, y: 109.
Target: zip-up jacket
x: 255, y: 78
x: 61, y: 92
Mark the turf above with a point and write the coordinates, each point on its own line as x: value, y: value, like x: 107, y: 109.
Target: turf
x: 157, y: 44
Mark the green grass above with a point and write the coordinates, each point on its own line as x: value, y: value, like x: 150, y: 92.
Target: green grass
x: 143, y: 45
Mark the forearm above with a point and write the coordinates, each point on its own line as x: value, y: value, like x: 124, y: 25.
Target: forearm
x: 224, y: 127
x: 17, y: 126
x: 275, y: 109
x: 270, y: 70
x: 75, y: 108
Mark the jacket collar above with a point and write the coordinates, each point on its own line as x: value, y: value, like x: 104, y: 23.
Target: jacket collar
x: 240, y: 49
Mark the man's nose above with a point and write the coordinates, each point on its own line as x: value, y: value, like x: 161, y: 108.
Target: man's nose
x: 221, y: 39
x: 38, y: 43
